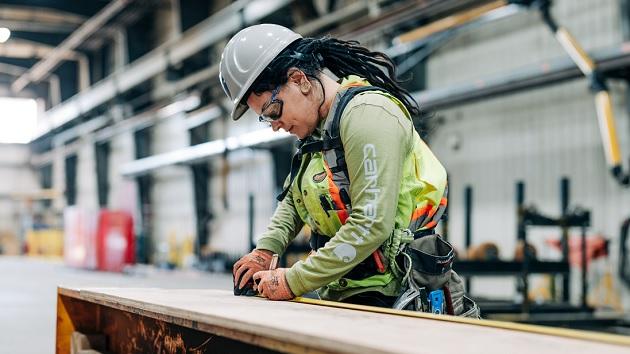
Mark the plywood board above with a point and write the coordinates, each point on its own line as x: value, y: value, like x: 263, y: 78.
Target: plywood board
x: 326, y: 329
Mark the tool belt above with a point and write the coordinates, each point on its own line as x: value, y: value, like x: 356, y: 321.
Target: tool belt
x: 431, y: 284
x: 362, y: 270
x: 431, y: 257
x: 432, y: 264
x: 317, y: 241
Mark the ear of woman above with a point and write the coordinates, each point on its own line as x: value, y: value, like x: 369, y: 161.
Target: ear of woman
x: 305, y: 87
x: 298, y: 77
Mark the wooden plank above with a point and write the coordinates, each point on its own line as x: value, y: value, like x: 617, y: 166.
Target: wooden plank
x: 604, y: 338
x: 301, y: 327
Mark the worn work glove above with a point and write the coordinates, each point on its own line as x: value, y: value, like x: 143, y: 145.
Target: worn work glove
x: 273, y: 285
x: 245, y: 268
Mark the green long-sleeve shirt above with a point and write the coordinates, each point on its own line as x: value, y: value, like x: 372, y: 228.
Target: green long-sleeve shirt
x: 377, y: 138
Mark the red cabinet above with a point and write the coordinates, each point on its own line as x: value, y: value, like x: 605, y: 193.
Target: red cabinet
x: 115, y: 241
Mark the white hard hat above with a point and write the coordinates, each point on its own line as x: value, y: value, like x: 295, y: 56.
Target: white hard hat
x: 246, y: 55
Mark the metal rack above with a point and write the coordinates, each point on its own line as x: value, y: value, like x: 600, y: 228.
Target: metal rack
x: 529, y: 217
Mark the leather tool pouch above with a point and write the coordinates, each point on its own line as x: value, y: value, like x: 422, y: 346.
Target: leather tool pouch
x: 428, y: 261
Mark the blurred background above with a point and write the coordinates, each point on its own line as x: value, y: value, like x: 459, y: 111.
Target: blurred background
x: 121, y: 167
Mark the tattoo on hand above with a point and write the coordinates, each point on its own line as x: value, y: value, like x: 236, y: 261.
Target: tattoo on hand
x: 273, y: 284
x: 259, y: 260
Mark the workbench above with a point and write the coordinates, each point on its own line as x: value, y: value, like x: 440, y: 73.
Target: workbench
x: 199, y: 321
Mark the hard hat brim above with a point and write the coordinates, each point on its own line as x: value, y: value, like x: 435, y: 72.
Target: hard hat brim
x: 238, y: 110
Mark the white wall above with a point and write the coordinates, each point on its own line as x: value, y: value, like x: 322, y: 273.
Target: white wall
x: 123, y: 194
x: 17, y: 179
x: 172, y: 189
x: 250, y: 171
x: 538, y: 136
x: 87, y: 192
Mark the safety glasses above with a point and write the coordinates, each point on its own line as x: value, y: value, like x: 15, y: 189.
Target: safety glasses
x: 272, y: 110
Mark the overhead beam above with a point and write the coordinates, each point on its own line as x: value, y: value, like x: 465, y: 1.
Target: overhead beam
x: 42, y: 68
x: 100, y: 128
x: 31, y: 26
x: 38, y: 14
x: 12, y: 70
x: 27, y: 49
x: 347, y: 13
x: 203, y: 152
x: 208, y: 32
x: 353, y: 10
x: 131, y: 15
x: 450, y: 22
x: 533, y: 76
x: 212, y: 30
x: 54, y: 85
x: 365, y: 30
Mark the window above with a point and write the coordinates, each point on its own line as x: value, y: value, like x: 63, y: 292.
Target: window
x: 46, y: 182
x: 201, y: 186
x: 102, y: 172
x: 142, y: 141
x: 71, y: 179
x: 18, y: 120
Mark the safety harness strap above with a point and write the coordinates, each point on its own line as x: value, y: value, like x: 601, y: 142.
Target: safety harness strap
x: 333, y: 151
x: 330, y: 145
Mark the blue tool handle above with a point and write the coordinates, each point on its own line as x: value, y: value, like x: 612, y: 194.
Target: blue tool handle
x: 436, y: 301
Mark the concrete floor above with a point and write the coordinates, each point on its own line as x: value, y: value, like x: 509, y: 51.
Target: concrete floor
x: 28, y: 296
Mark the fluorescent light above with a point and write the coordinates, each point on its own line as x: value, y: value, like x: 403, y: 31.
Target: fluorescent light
x: 5, y: 33
x: 183, y: 105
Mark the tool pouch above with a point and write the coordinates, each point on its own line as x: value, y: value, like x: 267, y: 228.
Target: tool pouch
x: 428, y: 262
x: 430, y: 259
x: 462, y: 305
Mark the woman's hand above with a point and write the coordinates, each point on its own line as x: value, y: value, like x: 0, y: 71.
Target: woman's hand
x: 273, y: 285
x: 249, y: 264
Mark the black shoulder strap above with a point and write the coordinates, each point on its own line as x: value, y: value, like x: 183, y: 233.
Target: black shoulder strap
x: 305, y: 146
x: 347, y: 96
x: 332, y: 134
x: 331, y: 139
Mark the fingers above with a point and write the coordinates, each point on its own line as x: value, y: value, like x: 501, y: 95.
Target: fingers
x: 259, y: 282
x: 258, y: 275
x: 237, y: 266
x: 241, y: 266
x: 246, y: 277
x: 239, y: 273
x: 239, y: 263
x: 246, y: 268
x: 272, y: 284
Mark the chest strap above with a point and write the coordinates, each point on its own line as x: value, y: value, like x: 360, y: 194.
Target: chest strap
x: 305, y: 146
x: 330, y: 144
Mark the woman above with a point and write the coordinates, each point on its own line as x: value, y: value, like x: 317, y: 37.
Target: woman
x: 363, y: 193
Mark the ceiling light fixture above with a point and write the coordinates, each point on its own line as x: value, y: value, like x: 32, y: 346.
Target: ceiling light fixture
x: 5, y: 33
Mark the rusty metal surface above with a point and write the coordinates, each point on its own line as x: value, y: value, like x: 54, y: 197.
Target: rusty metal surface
x: 126, y: 332
x: 131, y: 333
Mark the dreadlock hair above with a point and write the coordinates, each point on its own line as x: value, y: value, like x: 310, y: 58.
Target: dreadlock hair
x: 342, y: 58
